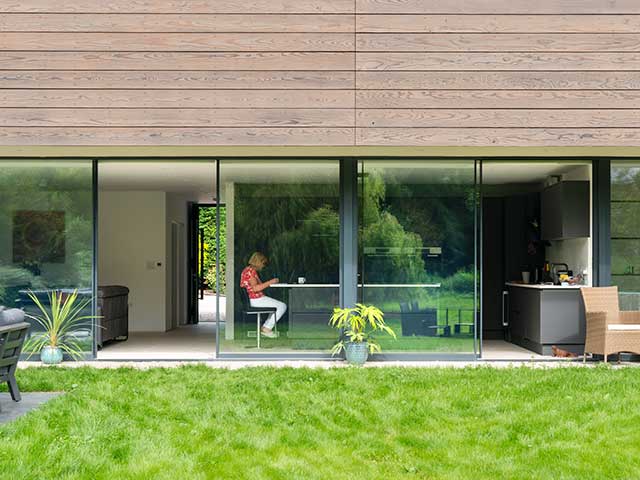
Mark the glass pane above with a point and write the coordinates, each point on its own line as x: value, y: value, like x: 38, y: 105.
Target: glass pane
x: 417, y: 244
x: 625, y: 233
x: 46, y: 236
x: 287, y: 213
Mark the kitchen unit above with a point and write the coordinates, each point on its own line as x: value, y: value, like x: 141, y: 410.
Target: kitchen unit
x: 539, y: 316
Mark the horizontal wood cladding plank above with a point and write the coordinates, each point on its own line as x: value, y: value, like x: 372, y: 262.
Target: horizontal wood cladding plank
x: 521, y: 137
x: 178, y: 42
x: 498, y: 6
x: 498, y: 23
x: 73, y: 22
x: 502, y: 118
x: 170, y: 117
x: 177, y: 98
x: 497, y: 99
x: 176, y: 61
x: 237, y: 80
x: 497, y: 61
x: 176, y: 136
x: 495, y: 80
x: 496, y: 42
x: 177, y: 6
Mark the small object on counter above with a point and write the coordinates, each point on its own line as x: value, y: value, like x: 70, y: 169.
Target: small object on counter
x: 526, y: 277
x: 559, y: 352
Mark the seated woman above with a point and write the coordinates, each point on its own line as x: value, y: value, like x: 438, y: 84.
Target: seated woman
x: 250, y: 281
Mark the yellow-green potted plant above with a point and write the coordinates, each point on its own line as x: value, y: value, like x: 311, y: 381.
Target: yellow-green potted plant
x: 59, y: 322
x: 359, y: 326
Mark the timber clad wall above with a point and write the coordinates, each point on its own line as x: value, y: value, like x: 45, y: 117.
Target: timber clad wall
x: 320, y: 72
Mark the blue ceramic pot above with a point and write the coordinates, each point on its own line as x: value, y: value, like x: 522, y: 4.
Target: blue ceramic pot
x: 356, y: 352
x: 51, y: 355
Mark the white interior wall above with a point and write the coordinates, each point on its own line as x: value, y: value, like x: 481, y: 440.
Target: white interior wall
x: 132, y: 251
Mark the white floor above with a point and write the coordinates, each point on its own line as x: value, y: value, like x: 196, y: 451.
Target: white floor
x: 207, y: 308
x: 198, y: 342
x: 189, y: 342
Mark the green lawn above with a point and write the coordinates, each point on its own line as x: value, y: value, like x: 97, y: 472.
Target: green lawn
x: 382, y: 423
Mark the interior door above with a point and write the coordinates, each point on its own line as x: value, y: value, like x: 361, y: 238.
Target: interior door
x: 194, y: 275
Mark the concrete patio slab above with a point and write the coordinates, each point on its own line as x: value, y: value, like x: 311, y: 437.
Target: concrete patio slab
x: 10, y: 410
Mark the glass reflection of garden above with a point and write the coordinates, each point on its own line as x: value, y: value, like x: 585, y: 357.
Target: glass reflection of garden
x: 297, y: 227
x: 417, y: 231
x: 410, y: 234
x: 625, y: 232
x: 46, y: 233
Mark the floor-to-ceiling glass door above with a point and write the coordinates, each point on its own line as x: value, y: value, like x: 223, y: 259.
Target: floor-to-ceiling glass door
x: 282, y: 230
x: 418, y: 250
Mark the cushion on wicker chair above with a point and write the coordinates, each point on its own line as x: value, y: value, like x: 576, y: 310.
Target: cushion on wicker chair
x: 9, y: 316
x: 622, y: 326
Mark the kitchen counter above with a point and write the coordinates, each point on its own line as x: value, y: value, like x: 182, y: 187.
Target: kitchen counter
x: 540, y: 286
x: 540, y: 316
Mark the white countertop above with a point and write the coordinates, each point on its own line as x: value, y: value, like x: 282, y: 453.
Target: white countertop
x: 545, y: 287
x: 369, y: 285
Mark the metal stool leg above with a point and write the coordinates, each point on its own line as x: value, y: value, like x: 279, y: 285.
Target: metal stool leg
x: 258, y: 317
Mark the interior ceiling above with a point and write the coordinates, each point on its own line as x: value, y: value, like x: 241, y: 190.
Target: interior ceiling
x: 181, y: 176
x: 198, y: 177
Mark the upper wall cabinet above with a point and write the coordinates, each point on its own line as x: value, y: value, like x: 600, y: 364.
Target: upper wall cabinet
x: 565, y: 211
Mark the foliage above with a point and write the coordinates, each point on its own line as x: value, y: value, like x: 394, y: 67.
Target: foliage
x: 397, y: 422
x: 359, y: 325
x: 211, y: 279
x: 207, y: 222
x: 463, y: 281
x: 59, y: 321
x: 13, y: 279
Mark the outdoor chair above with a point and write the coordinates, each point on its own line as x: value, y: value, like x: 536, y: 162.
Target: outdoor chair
x: 258, y: 312
x: 609, y: 330
x: 12, y: 338
x: 421, y: 323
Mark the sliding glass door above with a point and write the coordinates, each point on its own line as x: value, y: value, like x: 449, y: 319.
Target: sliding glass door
x: 282, y: 228
x: 418, y: 249
x: 46, y: 237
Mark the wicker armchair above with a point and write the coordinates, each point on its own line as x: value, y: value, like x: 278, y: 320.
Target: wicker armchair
x: 608, y: 329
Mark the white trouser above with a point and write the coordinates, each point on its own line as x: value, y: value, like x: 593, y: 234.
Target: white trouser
x: 272, y: 303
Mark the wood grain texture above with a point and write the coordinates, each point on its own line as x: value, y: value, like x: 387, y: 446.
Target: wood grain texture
x: 176, y: 61
x: 498, y: 23
x: 489, y: 42
x: 177, y: 6
x: 179, y: 42
x: 175, y: 136
x: 187, y: 23
x: 174, y: 117
x: 181, y: 80
x: 498, y: 6
x: 528, y: 99
x: 500, y: 118
x: 524, y: 80
x: 24, y: 98
x: 498, y: 61
x: 497, y: 137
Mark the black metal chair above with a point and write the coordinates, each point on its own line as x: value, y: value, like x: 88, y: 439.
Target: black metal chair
x: 421, y: 323
x: 247, y: 310
x: 12, y: 339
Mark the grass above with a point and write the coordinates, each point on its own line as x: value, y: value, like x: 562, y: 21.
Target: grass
x: 384, y: 423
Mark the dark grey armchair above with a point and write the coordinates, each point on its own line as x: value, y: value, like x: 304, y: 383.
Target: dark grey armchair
x: 113, y: 313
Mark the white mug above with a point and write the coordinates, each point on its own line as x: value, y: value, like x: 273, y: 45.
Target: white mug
x: 302, y: 280
x: 526, y: 277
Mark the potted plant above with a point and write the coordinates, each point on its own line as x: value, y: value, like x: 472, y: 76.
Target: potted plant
x: 359, y: 325
x: 59, y: 321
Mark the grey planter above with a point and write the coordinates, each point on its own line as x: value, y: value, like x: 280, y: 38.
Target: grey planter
x: 356, y: 353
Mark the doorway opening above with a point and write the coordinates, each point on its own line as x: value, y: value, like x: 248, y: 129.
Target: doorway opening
x: 144, y: 259
x: 204, y: 270
x: 536, y: 253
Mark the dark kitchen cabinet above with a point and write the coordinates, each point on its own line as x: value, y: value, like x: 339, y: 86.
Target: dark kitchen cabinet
x: 565, y: 211
x: 544, y: 316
